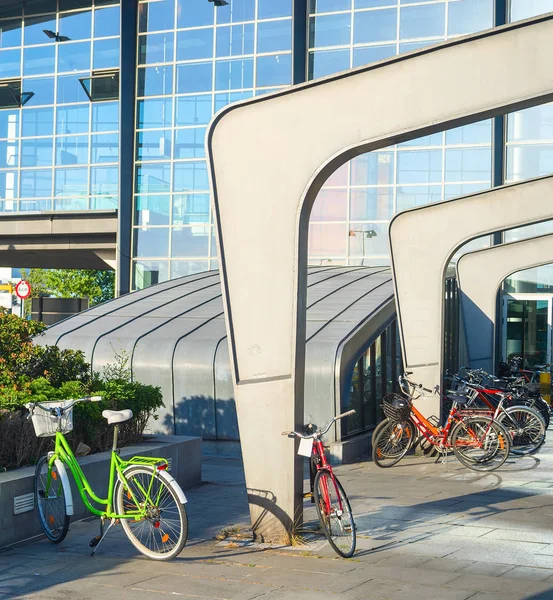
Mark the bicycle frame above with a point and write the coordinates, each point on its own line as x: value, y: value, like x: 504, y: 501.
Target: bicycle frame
x: 63, y: 452
x: 318, y: 461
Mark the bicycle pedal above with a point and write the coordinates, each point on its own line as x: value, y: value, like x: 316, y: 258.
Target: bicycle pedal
x: 95, y: 541
x: 308, y: 495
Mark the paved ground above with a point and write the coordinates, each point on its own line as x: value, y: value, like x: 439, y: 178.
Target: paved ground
x: 426, y: 530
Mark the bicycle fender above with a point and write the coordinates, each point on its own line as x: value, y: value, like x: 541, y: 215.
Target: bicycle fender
x: 170, y: 480
x: 66, y: 486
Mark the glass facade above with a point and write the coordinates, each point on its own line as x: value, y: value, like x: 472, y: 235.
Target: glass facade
x: 58, y: 149
x: 193, y: 59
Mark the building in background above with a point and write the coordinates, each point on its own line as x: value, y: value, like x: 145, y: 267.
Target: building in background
x: 10, y: 301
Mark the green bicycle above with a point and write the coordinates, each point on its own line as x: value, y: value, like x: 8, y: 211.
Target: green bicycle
x: 142, y: 495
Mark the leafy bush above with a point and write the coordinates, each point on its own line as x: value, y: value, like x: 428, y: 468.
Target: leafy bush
x: 30, y: 373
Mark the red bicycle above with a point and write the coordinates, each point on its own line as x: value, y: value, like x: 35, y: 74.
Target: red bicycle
x: 327, y: 492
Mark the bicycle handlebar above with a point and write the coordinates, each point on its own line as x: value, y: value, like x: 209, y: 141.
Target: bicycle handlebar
x: 415, y: 386
x: 52, y: 410
x: 320, y: 432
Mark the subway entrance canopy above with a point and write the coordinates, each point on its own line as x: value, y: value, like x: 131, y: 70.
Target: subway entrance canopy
x: 269, y: 158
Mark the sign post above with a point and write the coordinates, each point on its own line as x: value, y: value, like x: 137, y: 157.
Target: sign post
x: 23, y: 289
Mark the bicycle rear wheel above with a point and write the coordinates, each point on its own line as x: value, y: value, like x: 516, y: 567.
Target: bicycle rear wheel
x: 526, y: 427
x: 50, y: 501
x: 334, y: 513
x: 391, y: 441
x: 162, y: 533
x: 480, y: 443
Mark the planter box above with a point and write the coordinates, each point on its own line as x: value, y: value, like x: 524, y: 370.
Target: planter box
x: 184, y: 453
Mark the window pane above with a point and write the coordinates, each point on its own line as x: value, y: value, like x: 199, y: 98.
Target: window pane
x: 74, y: 57
x: 527, y: 161
x: 331, y: 30
x: 151, y: 241
x: 153, y: 145
x: 37, y: 121
x: 235, y: 40
x: 370, y: 239
x: 194, y: 110
x: 190, y: 241
x: 155, y: 81
x: 194, y: 14
x: 271, y: 9
x: 156, y: 15
x: 148, y: 273
x: 36, y: 184
x: 477, y: 133
x: 194, y: 77
x: 39, y: 61
x: 105, y: 116
x: 369, y: 204
x: 76, y: 26
x: 189, y: 143
x: 155, y: 48
x: 374, y: 3
x: 73, y: 119
x: 457, y: 190
x: 222, y: 100
x: 234, y: 74
x: 365, y: 56
x: 411, y: 196
x: 523, y: 9
x: 10, y: 33
x: 195, y: 44
x: 273, y: 36
x: 274, y: 70
x: 236, y: 11
x: 106, y: 54
x: 9, y: 123
x: 43, y: 89
x: 330, y: 205
x: 468, y: 16
x: 104, y: 181
x: 104, y: 148
x: 71, y: 182
x: 190, y: 176
x: 153, y: 178
x: 468, y: 164
x: 419, y: 166
x: 70, y: 90
x: 154, y: 113
x: 427, y: 20
x: 10, y: 63
x: 34, y: 29
x: 181, y: 268
x: 36, y: 152
x: 374, y: 168
x: 190, y: 208
x: 152, y: 210
x: 106, y: 21
x: 8, y: 185
x: 375, y: 26
x: 531, y: 124
x: 328, y: 62
x: 327, y: 239
x: 8, y: 154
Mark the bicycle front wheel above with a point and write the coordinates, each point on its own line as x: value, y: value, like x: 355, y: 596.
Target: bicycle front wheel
x: 161, y: 531
x: 526, y: 427
x: 50, y: 501
x: 334, y: 513
x: 480, y: 443
x: 391, y: 442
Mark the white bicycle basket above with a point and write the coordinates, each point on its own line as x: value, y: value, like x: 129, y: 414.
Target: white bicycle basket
x: 46, y: 424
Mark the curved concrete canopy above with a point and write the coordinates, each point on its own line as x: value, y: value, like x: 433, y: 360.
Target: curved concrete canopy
x: 268, y: 159
x: 424, y: 239
x: 480, y: 275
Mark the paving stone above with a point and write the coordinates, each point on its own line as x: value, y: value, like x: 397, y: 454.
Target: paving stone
x: 528, y: 573
x: 446, y: 564
x: 484, y: 583
x: 487, y: 568
x: 392, y: 590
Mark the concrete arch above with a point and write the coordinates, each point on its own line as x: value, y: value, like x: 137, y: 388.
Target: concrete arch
x: 268, y: 159
x: 480, y: 275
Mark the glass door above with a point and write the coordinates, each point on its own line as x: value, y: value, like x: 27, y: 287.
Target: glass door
x: 527, y: 328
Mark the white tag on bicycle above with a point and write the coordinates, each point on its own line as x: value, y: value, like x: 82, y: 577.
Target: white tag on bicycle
x: 306, y: 447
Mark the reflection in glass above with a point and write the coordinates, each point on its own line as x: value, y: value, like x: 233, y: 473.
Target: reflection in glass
x: 153, y: 178
x: 8, y: 154
x: 74, y: 57
x: 236, y: 11
x: 331, y: 204
x: 330, y: 30
x: 37, y: 121
x: 194, y: 77
x: 531, y: 124
x: 327, y: 239
x: 195, y: 15
x: 411, y: 196
x: 463, y: 189
x: 271, y: 9
x: 71, y: 182
x: 466, y: 16
x: 373, y: 168
x: 151, y: 241
x: 10, y: 63
x: 104, y: 148
x: 525, y: 161
x: 194, y: 44
x: 149, y: 272
x: 76, y: 25
x: 36, y: 183
x: 476, y: 133
x: 39, y: 61
x: 273, y: 36
x: 190, y: 241
x: 36, y: 152
x: 42, y: 88
x: 106, y: 21
x: 106, y: 54
x: 368, y: 239
x: 375, y: 26
x: 70, y: 90
x: 274, y: 70
x: 425, y: 20
x: 190, y: 208
x: 328, y: 62
x: 372, y: 204
x: 234, y: 74
x: 523, y: 9
x: 152, y: 210
x: 154, y: 113
x: 155, y: 48
x: 10, y: 33
x: 8, y: 186
x: 189, y: 143
x: 370, y: 54
x: 9, y: 123
x: 180, y: 268
x: 190, y: 176
x: 33, y: 32
x: 222, y: 99
x: 153, y: 145
x: 104, y: 181
x: 194, y: 110
x: 235, y: 40
x: 105, y: 116
x: 419, y: 166
x: 467, y: 164
x: 155, y: 81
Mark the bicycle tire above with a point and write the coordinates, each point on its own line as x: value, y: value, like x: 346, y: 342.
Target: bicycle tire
x: 51, y: 510
x: 323, y: 486
x: 526, y: 426
x: 390, y: 443
x: 480, y: 443
x: 158, y: 531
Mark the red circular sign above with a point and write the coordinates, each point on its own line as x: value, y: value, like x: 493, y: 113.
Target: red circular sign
x: 23, y: 289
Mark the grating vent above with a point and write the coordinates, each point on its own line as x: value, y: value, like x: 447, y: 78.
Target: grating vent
x: 170, y: 464
x: 22, y: 504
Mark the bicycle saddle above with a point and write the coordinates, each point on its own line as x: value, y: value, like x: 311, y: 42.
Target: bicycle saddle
x: 117, y: 416
x: 461, y: 399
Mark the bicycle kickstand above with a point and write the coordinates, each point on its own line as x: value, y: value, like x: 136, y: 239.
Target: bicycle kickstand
x: 95, y: 542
